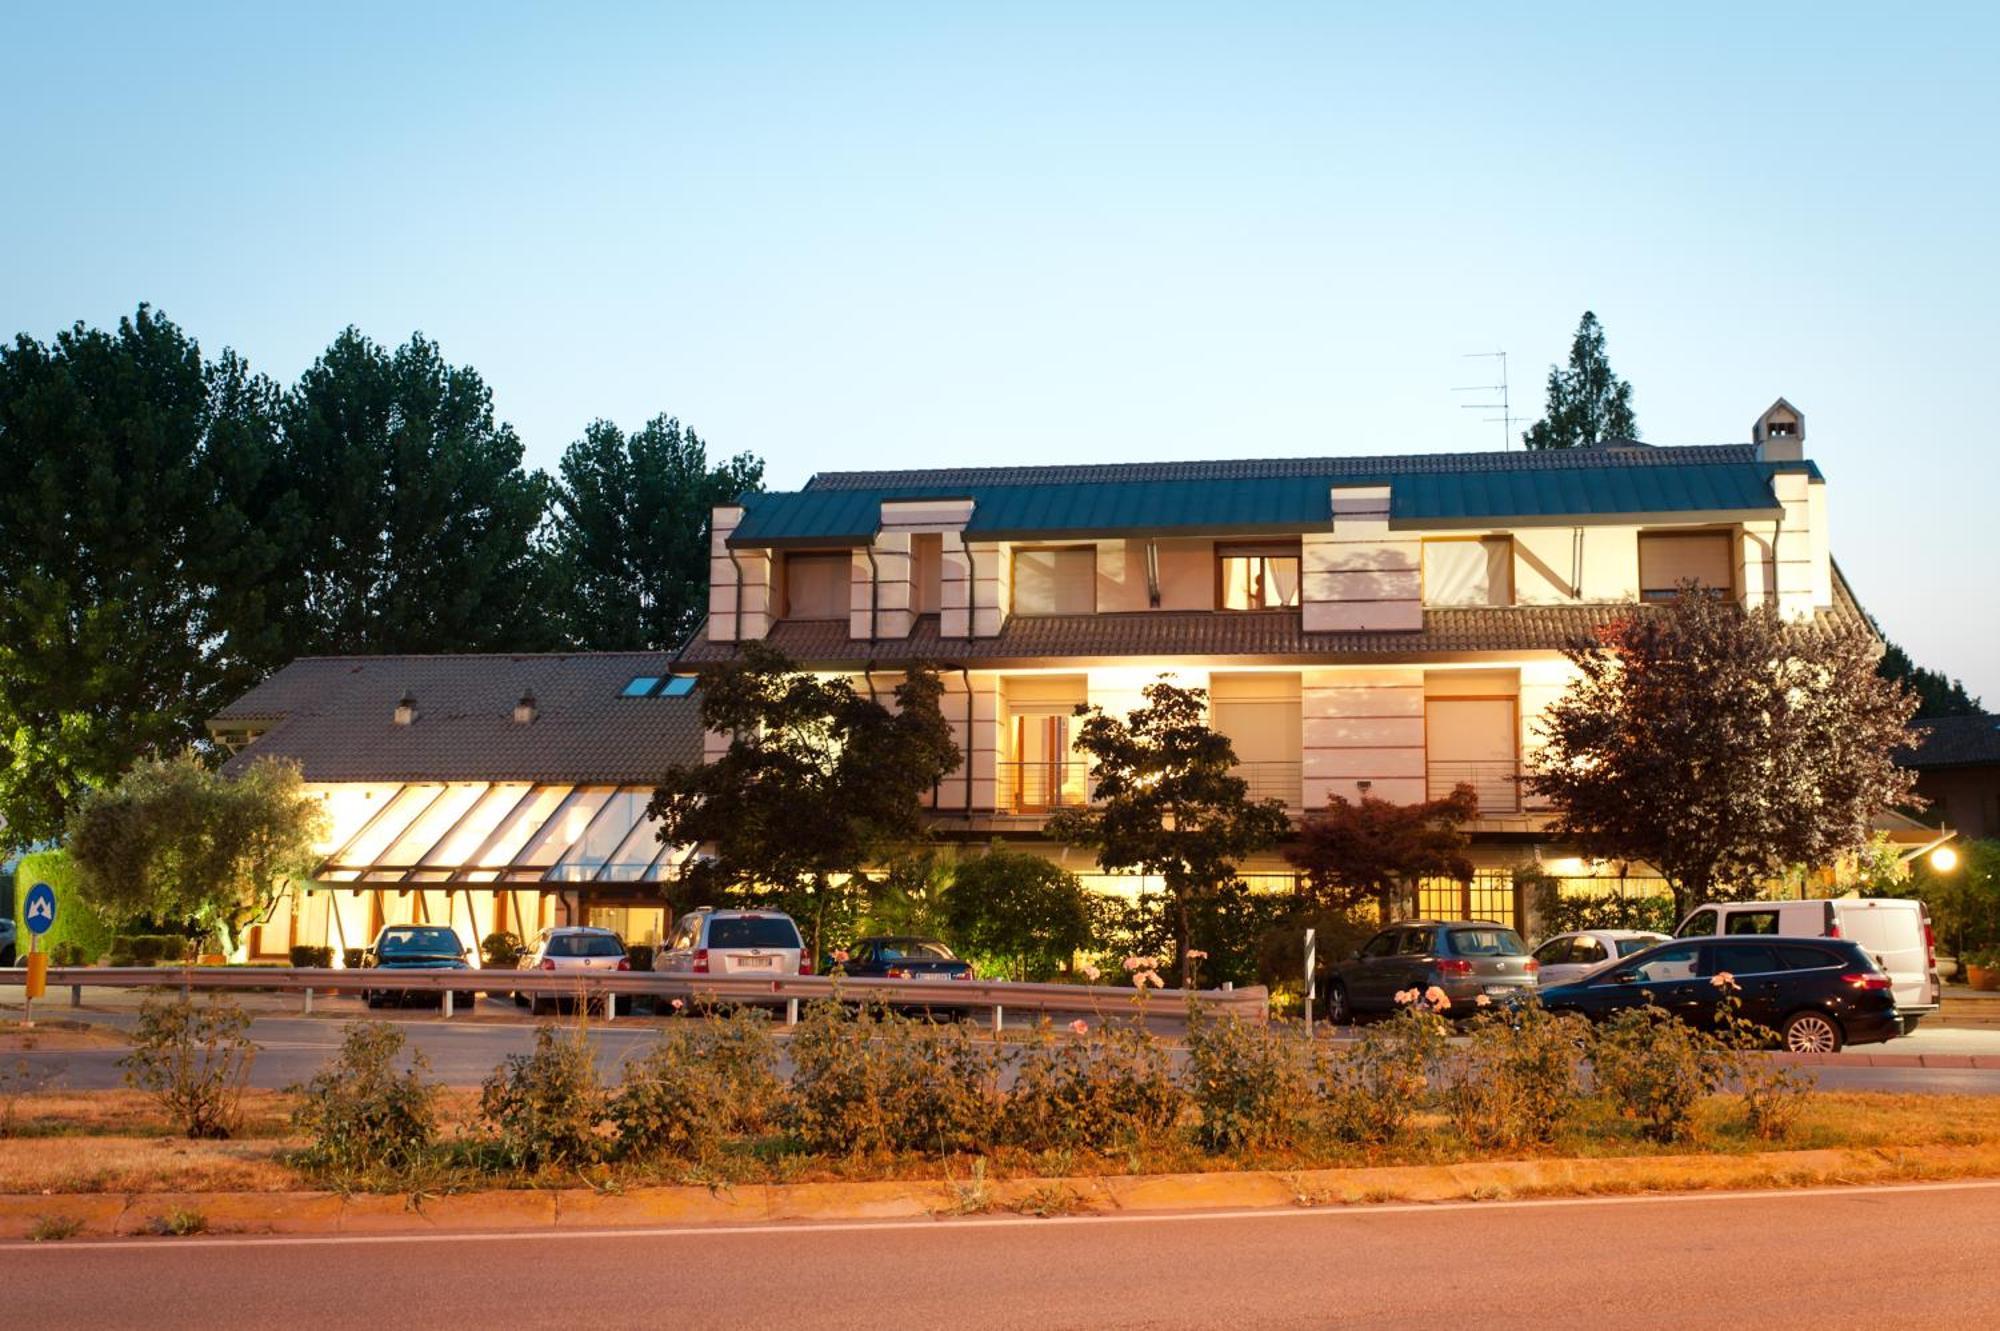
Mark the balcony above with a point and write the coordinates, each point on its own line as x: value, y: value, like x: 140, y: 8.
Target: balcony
x: 1497, y: 783
x: 1038, y: 787
x: 1274, y: 780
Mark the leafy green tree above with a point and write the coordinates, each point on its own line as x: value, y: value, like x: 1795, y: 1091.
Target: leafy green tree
x: 1168, y: 804
x: 1723, y: 746
x: 1937, y: 693
x: 417, y: 527
x: 630, y: 546
x: 135, y: 555
x: 1587, y: 403
x: 175, y: 842
x: 1357, y: 852
x: 819, y: 783
x: 1018, y: 909
x: 907, y: 897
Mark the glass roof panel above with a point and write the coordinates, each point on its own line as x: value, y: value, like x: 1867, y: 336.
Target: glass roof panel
x: 522, y: 823
x: 563, y: 828
x: 349, y: 807
x: 431, y: 825
x: 396, y: 816
x: 606, y: 833
x: 636, y: 853
x: 677, y: 686
x: 462, y: 842
x: 641, y: 685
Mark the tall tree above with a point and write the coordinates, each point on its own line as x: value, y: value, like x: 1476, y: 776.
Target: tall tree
x: 1018, y: 909
x: 820, y: 784
x: 134, y: 554
x: 1938, y: 694
x: 1355, y: 852
x: 418, y: 527
x: 1587, y: 402
x: 1723, y: 745
x: 631, y: 543
x: 1168, y: 804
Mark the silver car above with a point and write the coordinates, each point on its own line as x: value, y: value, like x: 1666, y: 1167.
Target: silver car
x: 751, y: 943
x: 573, y: 947
x: 1571, y: 956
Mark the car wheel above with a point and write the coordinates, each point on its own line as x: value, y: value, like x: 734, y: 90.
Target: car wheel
x: 1339, y: 1010
x: 462, y: 1004
x: 1812, y: 1032
x: 520, y: 1000
x: 537, y: 1006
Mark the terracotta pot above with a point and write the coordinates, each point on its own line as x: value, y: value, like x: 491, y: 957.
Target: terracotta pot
x: 1983, y: 977
x: 212, y: 959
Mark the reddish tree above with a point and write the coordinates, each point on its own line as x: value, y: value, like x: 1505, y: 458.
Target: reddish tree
x: 1372, y: 850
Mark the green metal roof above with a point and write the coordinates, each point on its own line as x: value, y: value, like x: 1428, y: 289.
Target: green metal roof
x: 1290, y: 495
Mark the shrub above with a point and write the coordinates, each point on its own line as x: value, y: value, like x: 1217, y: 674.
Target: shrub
x: 361, y: 1116
x: 1372, y: 1092
x: 194, y: 1060
x: 501, y: 951
x: 1251, y: 1085
x: 148, y: 949
x: 546, y: 1107
x: 351, y: 957
x: 1096, y: 1088
x: 1655, y: 1069
x: 1774, y: 1096
x: 309, y: 957
x: 701, y: 1082
x: 68, y: 952
x: 882, y: 1083
x: 1519, y: 1082
x: 1615, y: 907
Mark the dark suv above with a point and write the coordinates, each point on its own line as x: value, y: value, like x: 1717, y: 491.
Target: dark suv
x: 1816, y: 993
x: 1464, y: 958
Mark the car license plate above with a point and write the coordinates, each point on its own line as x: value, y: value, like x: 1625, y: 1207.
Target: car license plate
x: 930, y: 975
x: 756, y: 963
x: 1499, y: 989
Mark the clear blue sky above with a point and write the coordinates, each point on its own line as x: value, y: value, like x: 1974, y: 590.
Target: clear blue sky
x: 842, y: 235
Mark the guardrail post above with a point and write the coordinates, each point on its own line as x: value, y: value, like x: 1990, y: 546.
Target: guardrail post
x: 791, y: 1012
x: 76, y: 995
x: 999, y: 1018
x: 610, y: 1007
x: 444, y: 1008
x: 309, y: 1003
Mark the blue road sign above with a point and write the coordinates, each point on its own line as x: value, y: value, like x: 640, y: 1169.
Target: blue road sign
x: 38, y: 910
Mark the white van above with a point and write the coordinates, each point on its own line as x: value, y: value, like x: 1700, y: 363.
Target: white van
x: 1898, y: 933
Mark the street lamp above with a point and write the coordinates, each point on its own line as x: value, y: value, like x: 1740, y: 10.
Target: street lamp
x: 1944, y: 859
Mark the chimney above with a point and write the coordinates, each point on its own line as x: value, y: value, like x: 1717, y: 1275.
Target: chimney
x: 1780, y: 433
x: 524, y: 710
x: 406, y: 709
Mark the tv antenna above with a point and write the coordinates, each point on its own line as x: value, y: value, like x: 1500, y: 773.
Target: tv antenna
x: 1506, y: 418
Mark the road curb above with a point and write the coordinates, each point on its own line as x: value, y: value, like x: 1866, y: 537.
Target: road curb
x: 105, y: 1215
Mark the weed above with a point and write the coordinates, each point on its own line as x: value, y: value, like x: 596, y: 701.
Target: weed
x: 194, y: 1060
x: 54, y: 1228
x: 363, y: 1118
x: 178, y: 1223
x: 546, y: 1107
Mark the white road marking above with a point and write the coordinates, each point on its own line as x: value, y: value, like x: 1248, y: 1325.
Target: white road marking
x: 945, y: 1225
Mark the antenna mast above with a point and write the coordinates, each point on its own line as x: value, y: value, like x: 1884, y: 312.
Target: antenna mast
x: 1506, y: 418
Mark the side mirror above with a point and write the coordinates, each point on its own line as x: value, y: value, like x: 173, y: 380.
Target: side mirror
x: 1354, y: 954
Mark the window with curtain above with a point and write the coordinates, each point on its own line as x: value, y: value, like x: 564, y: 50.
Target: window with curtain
x: 1257, y: 576
x: 1667, y: 559
x: 1055, y: 582
x: 1469, y: 572
x: 816, y: 585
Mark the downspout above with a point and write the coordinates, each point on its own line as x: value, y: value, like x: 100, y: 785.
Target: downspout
x: 874, y: 583
x: 966, y: 676
x: 1576, y: 566
x: 971, y: 600
x: 737, y: 567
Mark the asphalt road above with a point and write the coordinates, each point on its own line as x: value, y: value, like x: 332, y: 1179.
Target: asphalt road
x: 1925, y: 1255
x: 464, y: 1050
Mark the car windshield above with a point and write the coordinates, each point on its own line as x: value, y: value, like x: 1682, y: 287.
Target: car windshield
x: 418, y: 942
x: 1486, y: 943
x: 1627, y: 946
x: 584, y: 945
x: 752, y: 931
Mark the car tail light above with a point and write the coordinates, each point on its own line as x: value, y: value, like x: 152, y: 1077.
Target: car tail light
x: 701, y: 961
x: 1833, y: 930
x: 1930, y: 942
x: 1864, y: 980
x: 898, y: 973
x: 1532, y: 966
x: 548, y: 963
x: 624, y: 964
x: 961, y: 975
x: 805, y: 962
x: 1458, y: 966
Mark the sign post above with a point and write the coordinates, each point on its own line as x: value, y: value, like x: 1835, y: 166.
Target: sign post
x: 1312, y: 964
x: 38, y: 912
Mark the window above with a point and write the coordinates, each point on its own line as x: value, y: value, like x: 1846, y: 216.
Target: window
x: 752, y: 931
x: 1668, y: 559
x: 1416, y: 943
x: 656, y: 686
x: 676, y: 686
x: 1469, y: 572
x: 1587, y: 951
x: 1669, y: 963
x: 1751, y: 922
x: 1627, y: 946
x: 1556, y: 951
x: 1698, y: 925
x: 641, y: 685
x: 1381, y: 945
x: 1055, y: 582
x: 1744, y: 959
x: 1257, y: 577
x: 1486, y: 943
x: 585, y: 945
x: 816, y: 585
x: 1800, y: 958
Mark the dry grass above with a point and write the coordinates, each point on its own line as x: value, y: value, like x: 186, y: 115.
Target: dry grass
x: 141, y: 1164
x: 57, y: 1037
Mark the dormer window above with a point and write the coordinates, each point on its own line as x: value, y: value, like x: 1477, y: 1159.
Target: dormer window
x: 1257, y: 575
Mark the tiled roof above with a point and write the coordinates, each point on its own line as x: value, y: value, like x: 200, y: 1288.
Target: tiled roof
x: 335, y: 717
x: 1629, y: 481
x: 1195, y: 634
x: 1957, y: 741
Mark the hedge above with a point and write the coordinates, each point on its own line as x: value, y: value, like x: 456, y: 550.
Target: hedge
x: 75, y: 922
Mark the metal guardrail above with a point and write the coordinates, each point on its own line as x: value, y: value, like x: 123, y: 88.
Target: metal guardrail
x: 789, y: 991
x: 1498, y: 784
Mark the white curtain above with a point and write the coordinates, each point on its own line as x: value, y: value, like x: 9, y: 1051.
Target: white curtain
x: 1469, y: 572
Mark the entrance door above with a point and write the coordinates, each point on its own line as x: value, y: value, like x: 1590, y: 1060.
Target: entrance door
x: 1471, y: 741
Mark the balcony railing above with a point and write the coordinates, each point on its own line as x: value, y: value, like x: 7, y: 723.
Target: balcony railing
x: 1274, y: 780
x: 1498, y: 784
x: 1037, y: 787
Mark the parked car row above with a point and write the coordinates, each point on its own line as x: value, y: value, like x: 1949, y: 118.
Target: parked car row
x: 1822, y: 974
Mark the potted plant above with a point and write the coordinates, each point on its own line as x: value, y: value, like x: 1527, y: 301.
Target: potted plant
x: 1982, y: 969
